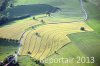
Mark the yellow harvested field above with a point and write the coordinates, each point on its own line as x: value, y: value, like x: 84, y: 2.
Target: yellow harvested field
x: 48, y: 38
x: 15, y: 30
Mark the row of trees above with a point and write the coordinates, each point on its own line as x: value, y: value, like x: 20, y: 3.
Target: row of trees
x: 8, y: 40
x: 38, y: 62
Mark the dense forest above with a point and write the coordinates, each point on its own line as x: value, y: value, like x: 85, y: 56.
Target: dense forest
x: 4, y: 5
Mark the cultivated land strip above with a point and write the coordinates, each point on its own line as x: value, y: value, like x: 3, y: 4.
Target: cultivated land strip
x: 59, y: 36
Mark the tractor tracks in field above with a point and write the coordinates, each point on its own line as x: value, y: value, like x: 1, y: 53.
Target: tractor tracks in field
x: 48, y: 43
x: 59, y: 49
x: 40, y: 43
x: 33, y: 28
x: 25, y: 41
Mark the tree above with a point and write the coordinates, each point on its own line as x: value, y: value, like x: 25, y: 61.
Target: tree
x: 48, y: 13
x: 85, y: 0
x: 43, y: 22
x: 34, y: 18
x: 12, y: 2
x: 3, y: 19
x: 4, y: 4
x: 82, y: 28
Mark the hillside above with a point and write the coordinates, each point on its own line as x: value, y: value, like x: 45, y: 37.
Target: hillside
x: 57, y: 35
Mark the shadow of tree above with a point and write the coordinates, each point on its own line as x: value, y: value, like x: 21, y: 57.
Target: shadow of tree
x: 25, y: 11
x: 29, y: 10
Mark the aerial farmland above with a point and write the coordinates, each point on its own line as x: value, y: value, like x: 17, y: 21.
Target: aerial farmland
x: 49, y: 33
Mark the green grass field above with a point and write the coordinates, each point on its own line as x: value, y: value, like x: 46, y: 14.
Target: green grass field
x: 89, y: 44
x: 83, y: 45
x: 95, y: 24
x: 7, y: 48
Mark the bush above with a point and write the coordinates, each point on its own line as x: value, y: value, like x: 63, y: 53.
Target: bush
x: 38, y: 62
x: 43, y: 22
x: 34, y: 18
x: 82, y: 28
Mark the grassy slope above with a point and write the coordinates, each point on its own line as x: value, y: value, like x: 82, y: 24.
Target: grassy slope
x: 69, y: 51
x: 95, y: 24
x: 7, y: 48
x: 89, y: 43
x: 84, y: 45
x: 28, y: 61
x: 93, y: 11
x: 69, y: 8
